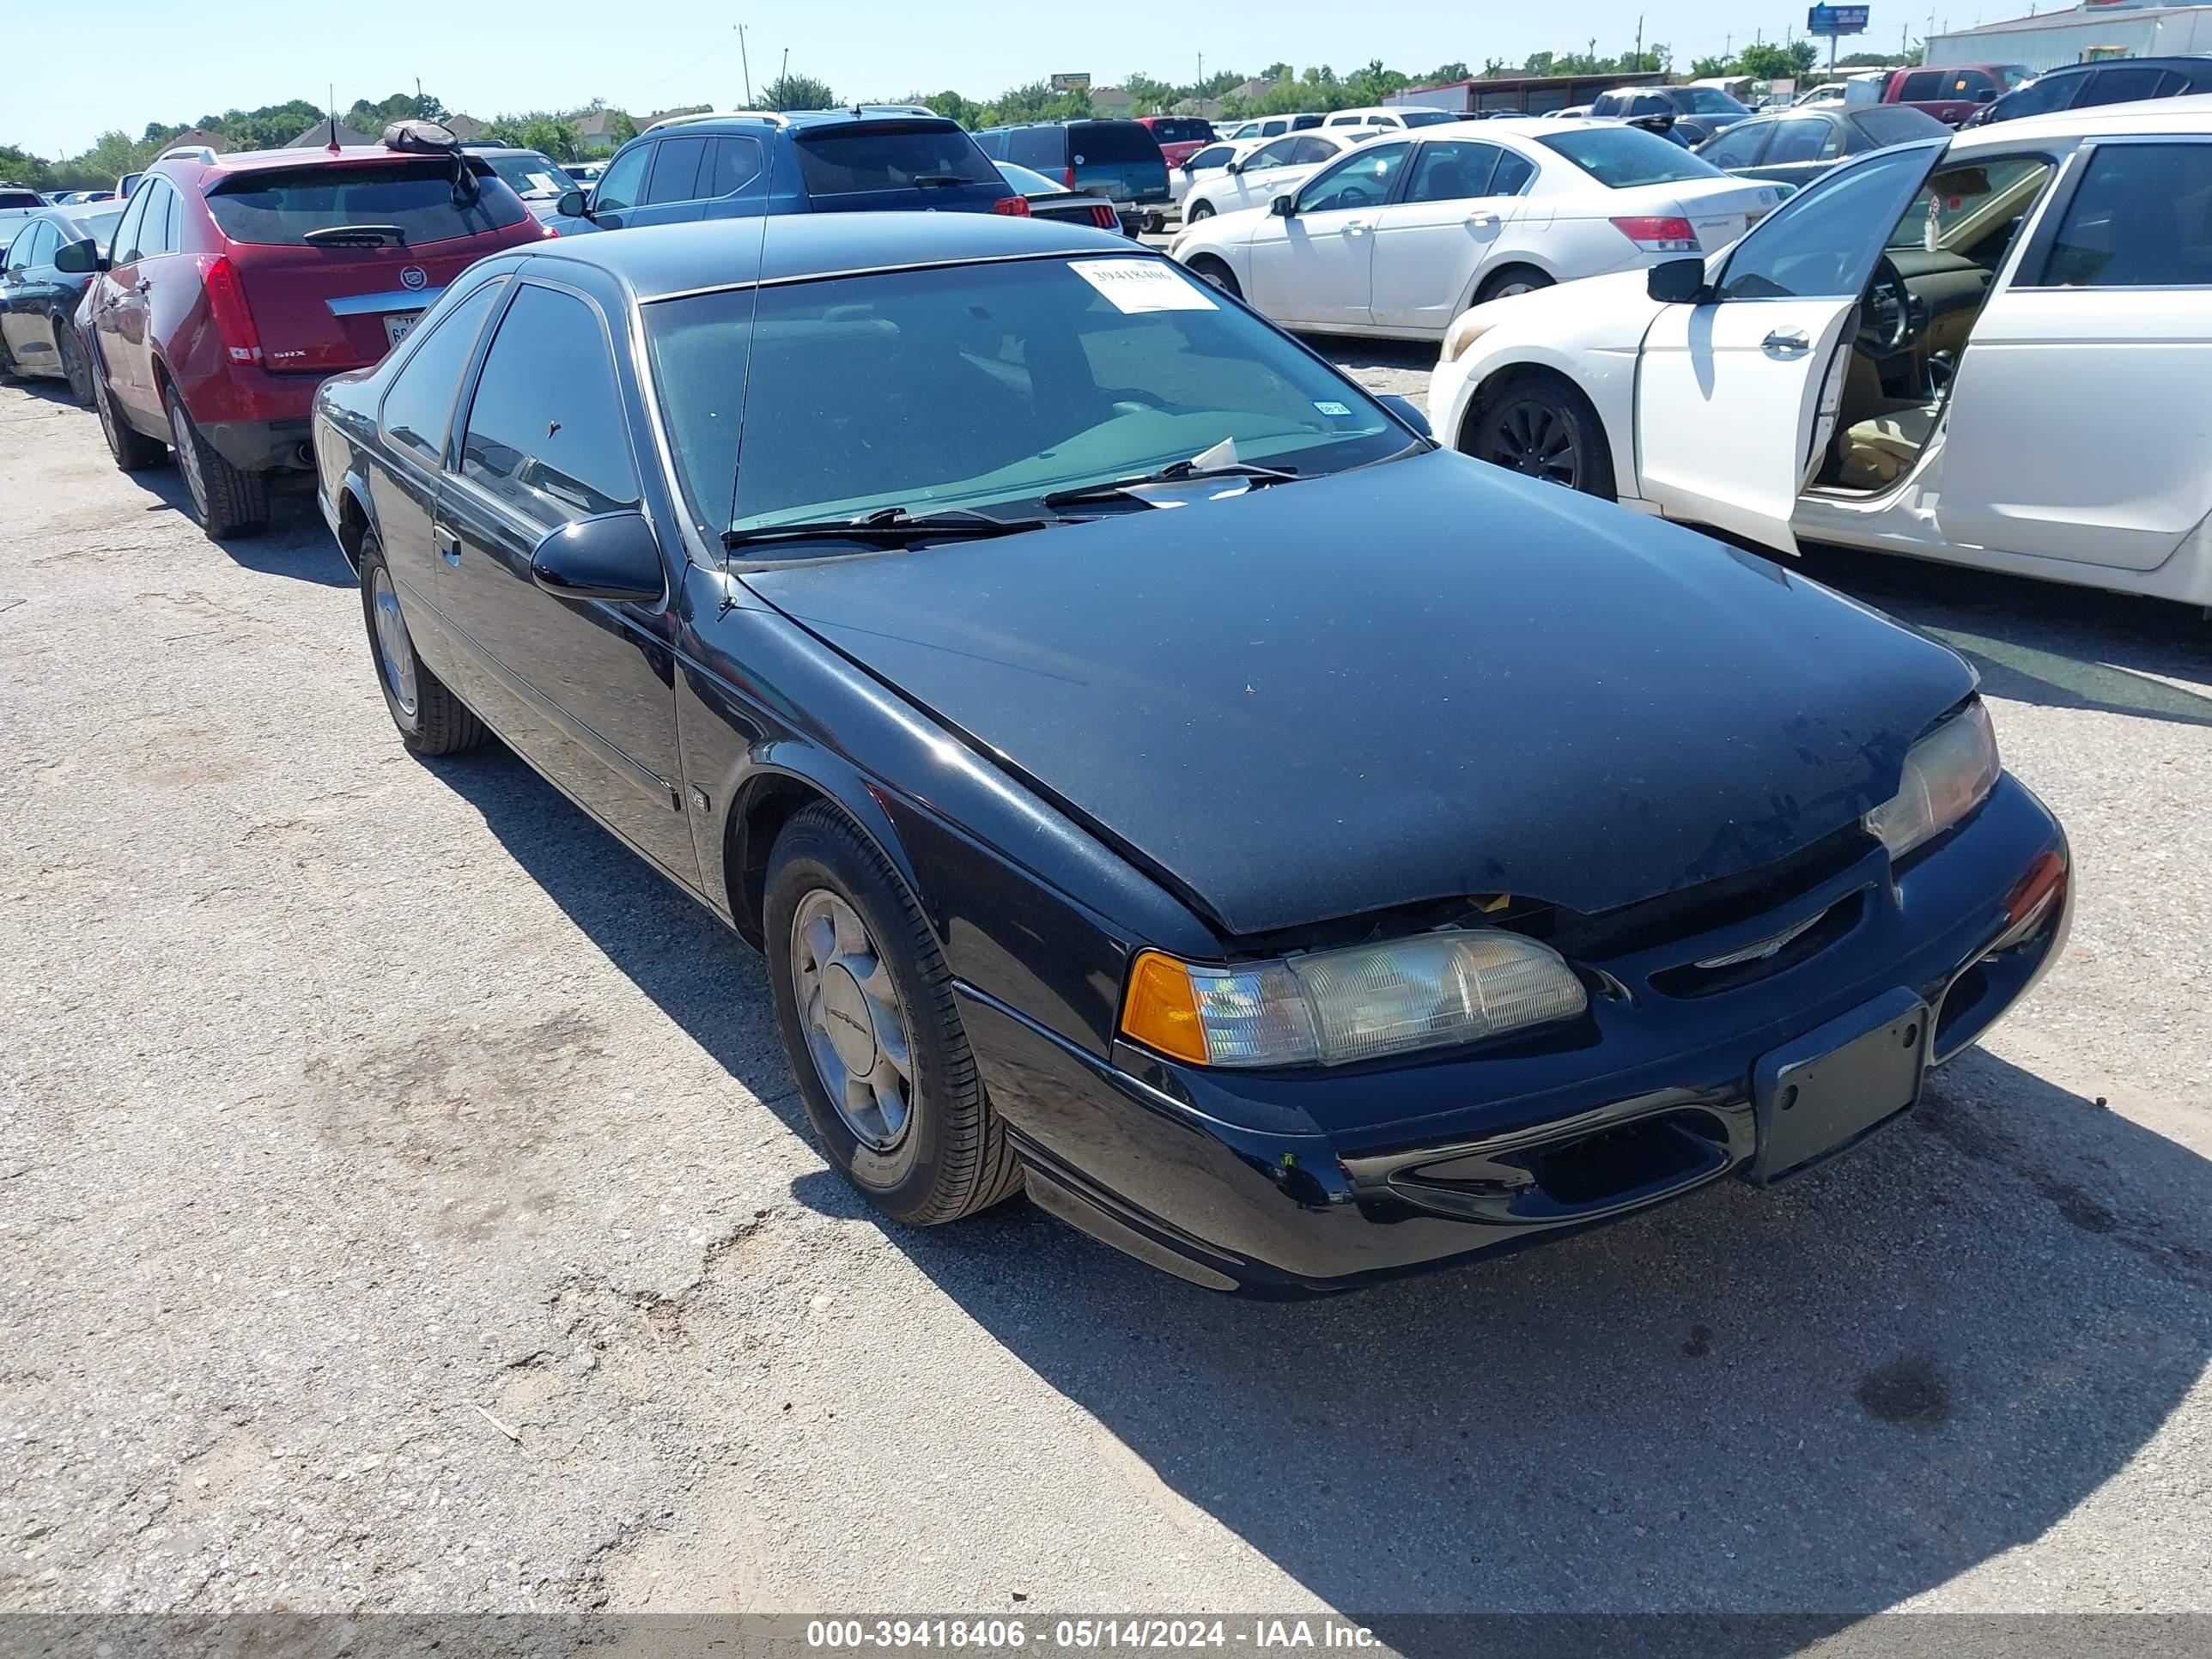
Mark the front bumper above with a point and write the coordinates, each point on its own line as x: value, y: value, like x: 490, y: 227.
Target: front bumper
x: 1284, y: 1183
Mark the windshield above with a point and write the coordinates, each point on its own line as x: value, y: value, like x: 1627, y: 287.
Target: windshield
x: 2016, y: 75
x: 1425, y: 117
x: 1111, y: 141
x: 981, y: 385
x: 98, y: 226
x: 530, y: 175
x: 1621, y: 158
x: 1705, y: 100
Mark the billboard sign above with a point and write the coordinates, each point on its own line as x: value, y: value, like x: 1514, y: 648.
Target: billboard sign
x: 1082, y: 82
x: 1832, y: 20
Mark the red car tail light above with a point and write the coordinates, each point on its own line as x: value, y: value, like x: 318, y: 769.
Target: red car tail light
x: 552, y: 230
x: 1673, y: 234
x: 1014, y: 207
x: 234, y: 318
x: 1103, y: 216
x: 1067, y: 177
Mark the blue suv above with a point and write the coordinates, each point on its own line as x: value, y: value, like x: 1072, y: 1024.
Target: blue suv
x: 736, y: 164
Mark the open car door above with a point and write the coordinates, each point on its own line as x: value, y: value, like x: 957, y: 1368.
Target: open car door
x: 1736, y: 396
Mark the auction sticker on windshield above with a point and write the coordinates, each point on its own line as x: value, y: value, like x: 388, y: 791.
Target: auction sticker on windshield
x: 1135, y: 285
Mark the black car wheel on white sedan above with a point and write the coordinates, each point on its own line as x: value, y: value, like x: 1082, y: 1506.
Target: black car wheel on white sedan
x: 1538, y: 424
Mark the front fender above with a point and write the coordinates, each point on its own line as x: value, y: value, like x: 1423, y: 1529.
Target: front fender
x: 1026, y: 904
x: 1607, y: 376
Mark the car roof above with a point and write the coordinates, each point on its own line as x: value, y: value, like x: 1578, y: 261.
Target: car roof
x: 746, y: 120
x: 655, y: 261
x: 2190, y: 114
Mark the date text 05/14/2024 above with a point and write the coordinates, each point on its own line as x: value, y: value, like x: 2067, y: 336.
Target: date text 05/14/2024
x: 989, y: 1634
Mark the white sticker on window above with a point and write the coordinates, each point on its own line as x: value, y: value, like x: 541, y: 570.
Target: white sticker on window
x: 1331, y: 408
x: 1135, y: 285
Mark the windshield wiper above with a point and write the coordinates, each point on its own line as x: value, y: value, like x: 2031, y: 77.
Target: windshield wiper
x: 1174, y: 472
x: 943, y: 178
x: 888, y: 527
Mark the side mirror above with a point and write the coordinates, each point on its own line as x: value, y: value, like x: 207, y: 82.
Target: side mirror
x: 1235, y: 166
x: 574, y: 205
x: 1283, y: 207
x: 613, y: 556
x: 1678, y: 282
x: 79, y: 259
x: 1986, y: 95
x: 1407, y: 410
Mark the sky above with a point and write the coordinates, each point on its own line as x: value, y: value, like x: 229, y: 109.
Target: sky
x: 182, y: 63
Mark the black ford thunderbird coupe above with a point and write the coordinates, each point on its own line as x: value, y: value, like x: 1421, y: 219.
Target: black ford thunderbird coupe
x: 1158, y: 777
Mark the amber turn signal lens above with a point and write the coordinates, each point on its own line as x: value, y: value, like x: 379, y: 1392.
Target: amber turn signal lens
x: 1161, y: 1009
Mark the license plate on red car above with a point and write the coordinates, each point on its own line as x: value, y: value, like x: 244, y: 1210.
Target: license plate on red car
x: 397, y: 325
x: 1836, y: 1085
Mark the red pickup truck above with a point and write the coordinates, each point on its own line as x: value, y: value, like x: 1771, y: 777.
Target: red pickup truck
x: 1957, y: 90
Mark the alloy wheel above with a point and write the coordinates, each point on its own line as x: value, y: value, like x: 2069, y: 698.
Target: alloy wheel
x: 395, y: 651
x: 188, y: 455
x: 856, y: 1030
x: 1534, y: 436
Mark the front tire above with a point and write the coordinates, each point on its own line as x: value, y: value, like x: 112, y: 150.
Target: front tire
x: 431, y: 719
x: 227, y: 501
x: 1540, y: 425
x: 1199, y: 211
x: 864, y: 1003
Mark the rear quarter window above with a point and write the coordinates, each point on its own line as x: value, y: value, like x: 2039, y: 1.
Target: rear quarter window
x: 415, y: 197
x: 845, y: 160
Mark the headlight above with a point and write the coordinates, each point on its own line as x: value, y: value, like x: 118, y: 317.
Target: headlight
x: 1947, y: 774
x: 1467, y: 328
x: 1331, y: 1007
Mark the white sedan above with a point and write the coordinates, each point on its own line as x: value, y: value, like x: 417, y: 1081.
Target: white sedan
x: 1992, y: 350
x: 1402, y: 234
x: 1262, y: 171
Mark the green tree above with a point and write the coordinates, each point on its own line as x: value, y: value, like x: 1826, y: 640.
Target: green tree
x: 1537, y: 62
x: 798, y: 92
x: 20, y: 167
x: 1373, y: 83
x: 548, y: 134
x: 1769, y: 62
x: 1148, y: 96
x: 1711, y: 68
x: 1443, y: 73
x: 1276, y: 72
x: 952, y: 105
x: 1037, y: 102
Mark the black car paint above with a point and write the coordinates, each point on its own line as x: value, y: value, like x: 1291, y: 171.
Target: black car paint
x: 1851, y: 130
x: 39, y: 302
x: 1489, y: 601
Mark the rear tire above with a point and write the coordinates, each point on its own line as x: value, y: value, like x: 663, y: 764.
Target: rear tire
x: 227, y: 501
x: 865, y: 1005
x: 75, y: 369
x: 431, y: 719
x: 1206, y: 267
x: 133, y: 450
x: 1514, y: 279
x: 1538, y: 425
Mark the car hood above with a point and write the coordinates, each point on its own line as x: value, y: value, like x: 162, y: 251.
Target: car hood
x: 1423, y: 679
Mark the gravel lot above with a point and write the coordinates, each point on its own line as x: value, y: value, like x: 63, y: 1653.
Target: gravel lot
x: 350, y: 1103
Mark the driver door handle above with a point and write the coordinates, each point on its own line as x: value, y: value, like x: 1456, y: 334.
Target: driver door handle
x: 447, y: 543
x: 1787, y: 342
x: 1355, y: 228
x: 1482, y: 221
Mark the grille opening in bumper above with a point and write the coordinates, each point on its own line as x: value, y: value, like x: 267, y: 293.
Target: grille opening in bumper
x: 1651, y: 1153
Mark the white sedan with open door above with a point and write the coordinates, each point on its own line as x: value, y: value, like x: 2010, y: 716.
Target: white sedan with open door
x: 1994, y: 350
x: 1401, y: 235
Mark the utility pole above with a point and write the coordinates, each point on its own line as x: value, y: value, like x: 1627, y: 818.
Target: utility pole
x: 1639, y: 40
x: 745, y: 63
x: 783, y: 74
